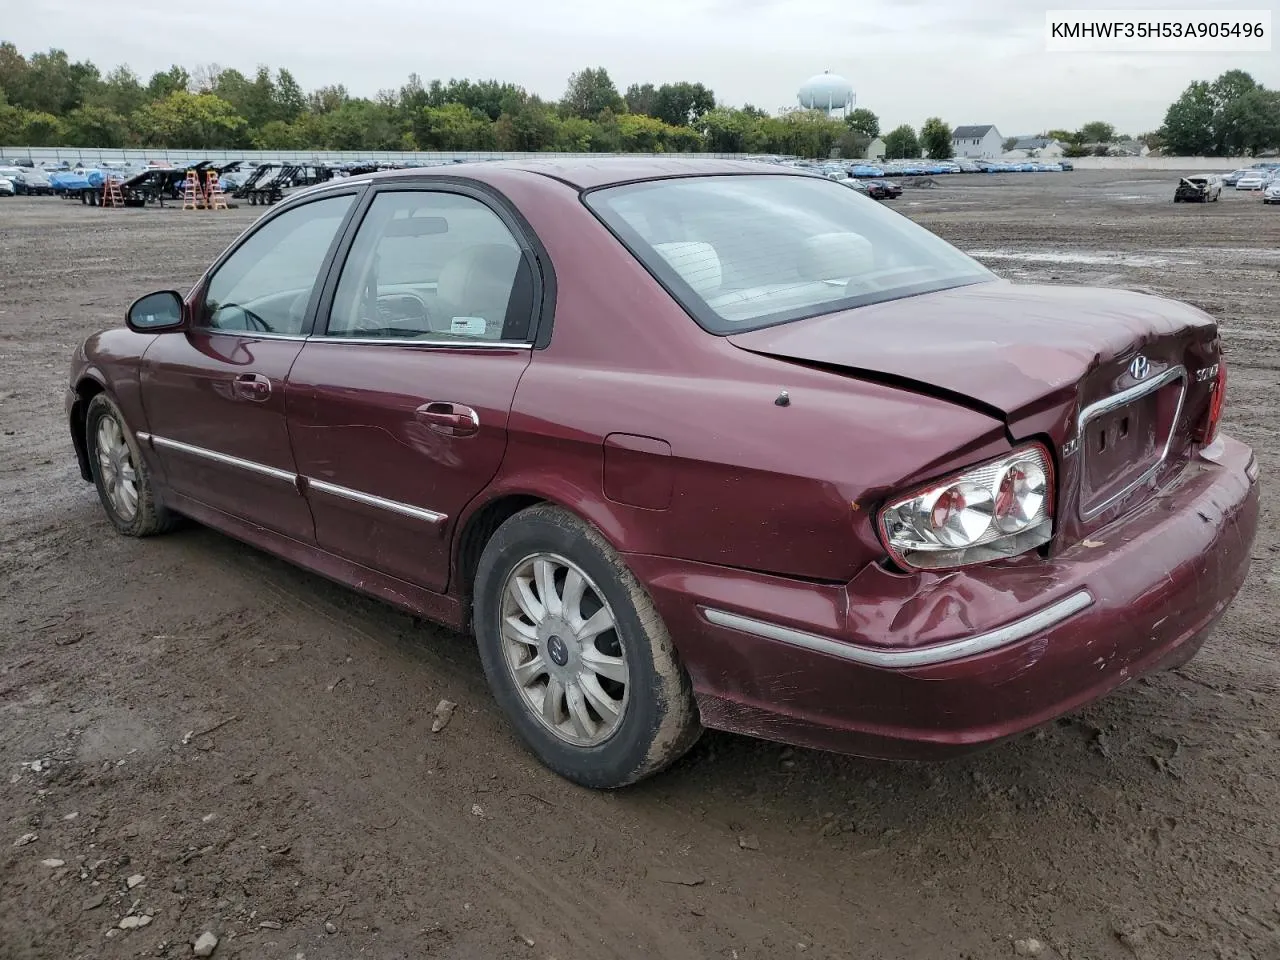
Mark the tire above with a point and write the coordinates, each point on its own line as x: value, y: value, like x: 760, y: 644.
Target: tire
x: 657, y: 720
x: 111, y: 470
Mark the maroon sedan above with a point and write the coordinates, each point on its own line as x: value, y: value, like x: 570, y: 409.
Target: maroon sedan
x: 691, y: 444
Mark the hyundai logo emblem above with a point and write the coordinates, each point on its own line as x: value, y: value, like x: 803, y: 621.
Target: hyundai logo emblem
x: 1140, y: 367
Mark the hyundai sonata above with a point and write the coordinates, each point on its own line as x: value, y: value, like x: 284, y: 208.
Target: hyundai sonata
x: 691, y: 444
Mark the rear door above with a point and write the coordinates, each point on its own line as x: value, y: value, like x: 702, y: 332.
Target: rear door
x: 214, y: 394
x: 398, y: 404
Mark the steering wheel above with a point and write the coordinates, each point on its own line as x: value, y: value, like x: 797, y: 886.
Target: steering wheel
x: 251, y: 319
x: 385, y: 323
x: 298, y: 310
x: 423, y: 314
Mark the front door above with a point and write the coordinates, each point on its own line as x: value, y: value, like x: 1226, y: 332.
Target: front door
x: 398, y: 404
x: 215, y: 394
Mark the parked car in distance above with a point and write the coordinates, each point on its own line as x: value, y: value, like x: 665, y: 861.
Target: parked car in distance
x: 817, y: 476
x: 1066, y: 164
x: 1200, y: 188
x: 1272, y: 193
x: 1253, y: 180
x: 7, y: 188
x: 1230, y: 179
x: 875, y: 189
x: 33, y: 183
x: 886, y: 190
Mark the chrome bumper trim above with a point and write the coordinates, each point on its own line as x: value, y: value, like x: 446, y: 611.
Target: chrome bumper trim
x: 1028, y: 626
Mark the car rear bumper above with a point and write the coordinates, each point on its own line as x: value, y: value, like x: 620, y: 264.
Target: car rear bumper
x: 912, y: 667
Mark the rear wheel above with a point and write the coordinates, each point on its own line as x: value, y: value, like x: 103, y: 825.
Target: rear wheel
x: 120, y: 474
x: 576, y: 654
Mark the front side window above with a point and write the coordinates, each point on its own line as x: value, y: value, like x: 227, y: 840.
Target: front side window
x: 266, y: 284
x: 431, y: 265
x: 747, y: 251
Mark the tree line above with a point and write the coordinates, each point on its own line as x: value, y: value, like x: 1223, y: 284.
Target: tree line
x: 1227, y: 117
x: 47, y: 100
x: 1231, y: 116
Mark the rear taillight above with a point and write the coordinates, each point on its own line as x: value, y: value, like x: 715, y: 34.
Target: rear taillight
x: 997, y: 509
x: 1208, y: 430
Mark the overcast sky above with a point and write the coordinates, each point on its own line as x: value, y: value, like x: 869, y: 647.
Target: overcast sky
x: 968, y: 61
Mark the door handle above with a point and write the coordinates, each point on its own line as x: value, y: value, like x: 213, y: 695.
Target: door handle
x: 252, y: 386
x: 450, y: 419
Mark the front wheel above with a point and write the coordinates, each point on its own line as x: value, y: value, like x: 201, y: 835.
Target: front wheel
x: 576, y: 654
x: 120, y: 474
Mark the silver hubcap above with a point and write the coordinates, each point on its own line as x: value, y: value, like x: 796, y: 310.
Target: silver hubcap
x: 116, y: 466
x: 560, y: 641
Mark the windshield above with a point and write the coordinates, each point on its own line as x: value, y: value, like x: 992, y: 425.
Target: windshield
x: 743, y: 252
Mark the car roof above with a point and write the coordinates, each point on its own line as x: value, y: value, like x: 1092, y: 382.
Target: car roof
x: 585, y: 173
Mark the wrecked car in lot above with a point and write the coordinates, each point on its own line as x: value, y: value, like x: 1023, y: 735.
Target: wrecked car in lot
x: 875, y: 189
x: 1200, y: 189
x: 691, y: 444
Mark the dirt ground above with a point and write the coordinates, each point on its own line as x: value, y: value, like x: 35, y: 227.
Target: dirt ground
x: 254, y: 742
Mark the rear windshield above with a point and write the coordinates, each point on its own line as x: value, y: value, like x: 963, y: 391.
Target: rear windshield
x: 746, y: 251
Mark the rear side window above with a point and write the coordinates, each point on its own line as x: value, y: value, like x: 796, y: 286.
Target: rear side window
x: 433, y: 265
x: 742, y: 252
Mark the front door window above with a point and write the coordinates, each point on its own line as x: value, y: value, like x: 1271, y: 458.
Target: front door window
x: 265, y: 285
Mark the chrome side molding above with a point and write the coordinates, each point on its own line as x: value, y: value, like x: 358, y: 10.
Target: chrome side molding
x: 301, y: 483
x: 368, y: 499
x: 226, y: 459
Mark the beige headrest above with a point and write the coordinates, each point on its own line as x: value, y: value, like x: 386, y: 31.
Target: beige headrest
x: 478, y: 281
x: 697, y: 264
x: 835, y: 256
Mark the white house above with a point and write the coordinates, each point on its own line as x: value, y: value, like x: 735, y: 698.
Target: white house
x: 1038, y: 148
x: 981, y: 141
x: 875, y: 150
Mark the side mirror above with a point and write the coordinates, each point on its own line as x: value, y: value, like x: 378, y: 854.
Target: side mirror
x: 156, y: 312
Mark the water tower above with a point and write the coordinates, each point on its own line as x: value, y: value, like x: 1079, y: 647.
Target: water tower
x: 827, y: 92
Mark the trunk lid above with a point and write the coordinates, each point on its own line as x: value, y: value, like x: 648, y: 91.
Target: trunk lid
x: 1115, y: 380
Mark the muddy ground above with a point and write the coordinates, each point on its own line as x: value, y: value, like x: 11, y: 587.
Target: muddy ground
x: 255, y: 742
